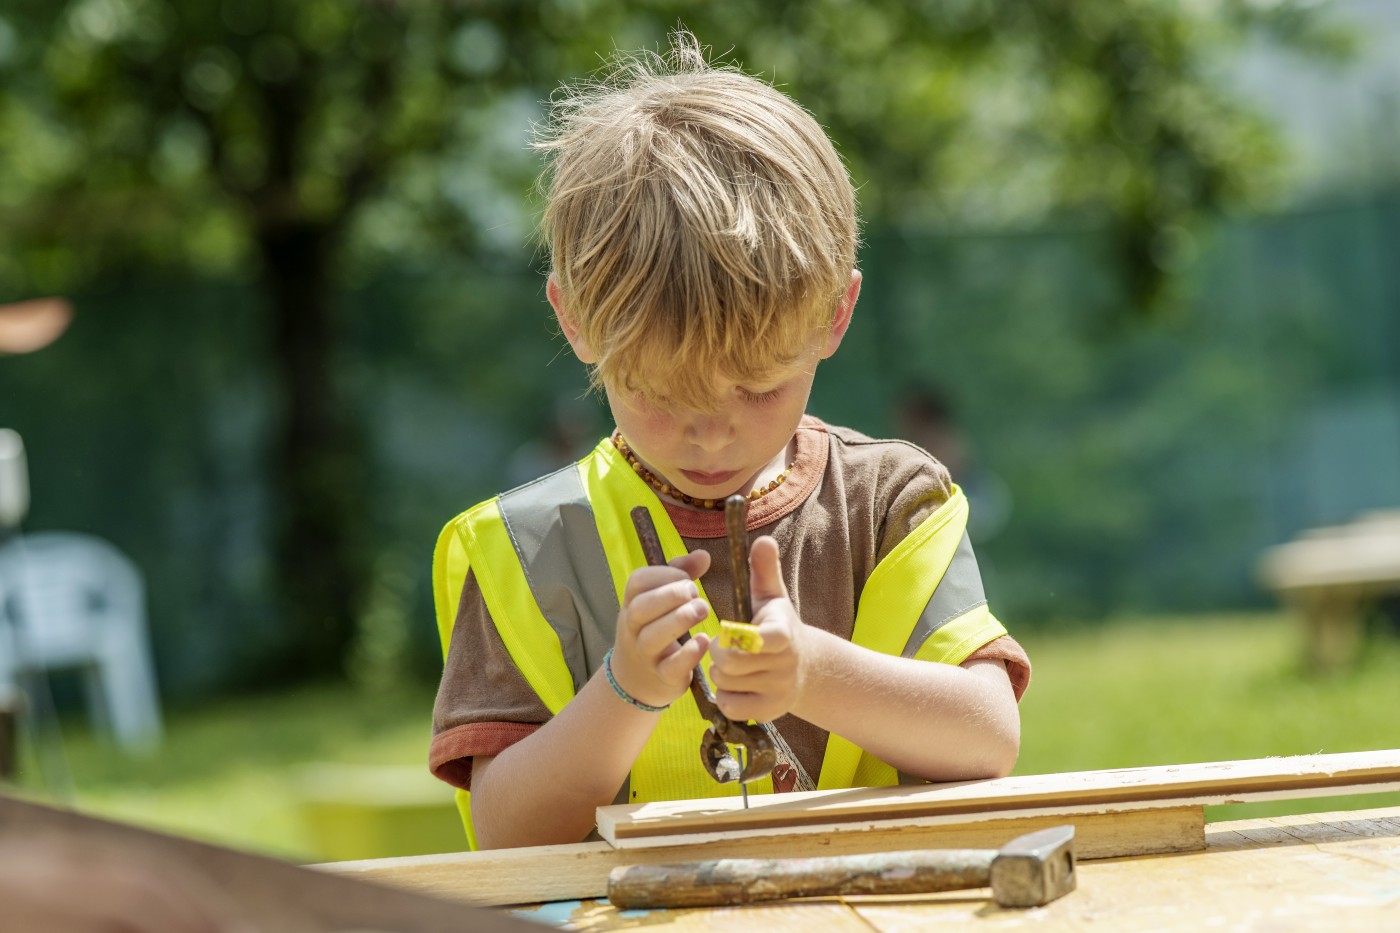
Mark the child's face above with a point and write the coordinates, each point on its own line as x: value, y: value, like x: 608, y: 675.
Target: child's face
x: 714, y: 454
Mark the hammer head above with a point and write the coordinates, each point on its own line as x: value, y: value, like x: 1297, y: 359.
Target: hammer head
x: 1034, y: 869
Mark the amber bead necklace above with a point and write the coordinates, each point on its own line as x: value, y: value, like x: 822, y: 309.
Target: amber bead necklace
x: 666, y: 489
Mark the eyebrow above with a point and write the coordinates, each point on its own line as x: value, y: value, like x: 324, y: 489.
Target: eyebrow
x: 775, y: 377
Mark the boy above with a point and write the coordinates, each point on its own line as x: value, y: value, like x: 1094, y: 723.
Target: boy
x: 702, y: 232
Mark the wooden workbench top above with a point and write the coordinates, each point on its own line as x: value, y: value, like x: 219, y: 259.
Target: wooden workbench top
x: 1332, y: 871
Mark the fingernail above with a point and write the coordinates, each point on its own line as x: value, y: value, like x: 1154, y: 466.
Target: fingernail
x: 694, y: 590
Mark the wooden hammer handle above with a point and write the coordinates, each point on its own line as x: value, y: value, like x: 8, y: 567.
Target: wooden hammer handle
x: 746, y: 881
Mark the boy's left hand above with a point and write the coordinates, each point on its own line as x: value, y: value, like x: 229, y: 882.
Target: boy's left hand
x: 762, y: 686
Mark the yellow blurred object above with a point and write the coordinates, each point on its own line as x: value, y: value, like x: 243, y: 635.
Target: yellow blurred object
x: 376, y: 811
x: 740, y: 635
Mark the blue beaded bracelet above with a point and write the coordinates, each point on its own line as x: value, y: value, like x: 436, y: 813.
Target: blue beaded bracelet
x: 607, y: 669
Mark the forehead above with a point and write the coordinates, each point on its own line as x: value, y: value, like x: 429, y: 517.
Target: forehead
x: 706, y: 388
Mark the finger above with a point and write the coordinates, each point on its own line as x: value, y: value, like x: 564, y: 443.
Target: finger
x: 745, y: 675
x: 655, y: 603
x: 683, y: 659
x: 693, y: 564
x: 730, y: 662
x: 649, y: 578
x: 775, y: 620
x: 655, y: 637
x: 776, y: 634
x: 742, y: 707
x: 766, y: 572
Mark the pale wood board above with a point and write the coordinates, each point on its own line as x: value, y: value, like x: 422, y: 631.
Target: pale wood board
x: 804, y: 916
x: 670, y: 823
x: 1333, y: 871
x: 579, y: 871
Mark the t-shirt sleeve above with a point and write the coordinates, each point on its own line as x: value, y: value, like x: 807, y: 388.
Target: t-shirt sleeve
x: 921, y: 486
x: 484, y: 704
x: 918, y: 485
x: 1009, y: 651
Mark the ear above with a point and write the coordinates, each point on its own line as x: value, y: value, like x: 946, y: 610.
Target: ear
x: 580, y: 347
x: 843, y: 315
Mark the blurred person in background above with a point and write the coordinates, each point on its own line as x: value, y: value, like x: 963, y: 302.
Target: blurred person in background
x: 925, y: 416
x: 568, y: 434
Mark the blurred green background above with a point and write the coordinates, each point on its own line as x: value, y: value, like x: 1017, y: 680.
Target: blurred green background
x: 1132, y: 255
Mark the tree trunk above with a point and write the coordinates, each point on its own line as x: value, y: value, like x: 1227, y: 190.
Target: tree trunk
x: 317, y: 483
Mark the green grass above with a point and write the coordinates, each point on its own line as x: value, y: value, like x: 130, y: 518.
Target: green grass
x: 1169, y: 691
x: 1137, y: 692
x: 235, y: 772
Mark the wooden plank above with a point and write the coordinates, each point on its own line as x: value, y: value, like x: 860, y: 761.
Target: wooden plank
x: 669, y: 823
x: 1337, y: 871
x: 580, y: 871
x: 1299, y: 874
x: 797, y: 916
x: 1305, y: 829
x: 268, y: 895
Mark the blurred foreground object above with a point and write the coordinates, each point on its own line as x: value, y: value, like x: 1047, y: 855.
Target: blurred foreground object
x: 27, y: 326
x: 74, y: 600
x: 1333, y: 576
x: 63, y: 871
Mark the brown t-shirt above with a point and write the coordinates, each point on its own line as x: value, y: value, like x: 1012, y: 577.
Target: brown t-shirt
x: 847, y: 502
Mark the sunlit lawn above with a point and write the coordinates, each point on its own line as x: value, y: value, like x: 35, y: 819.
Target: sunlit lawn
x: 236, y: 771
x: 1167, y: 691
x: 1136, y: 692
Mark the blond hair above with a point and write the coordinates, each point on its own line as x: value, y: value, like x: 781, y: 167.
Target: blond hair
x: 699, y: 222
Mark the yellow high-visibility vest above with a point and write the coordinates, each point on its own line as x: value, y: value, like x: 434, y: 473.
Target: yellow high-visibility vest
x: 552, y: 560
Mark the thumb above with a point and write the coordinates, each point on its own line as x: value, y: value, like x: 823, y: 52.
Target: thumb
x: 766, y: 577
x: 693, y: 564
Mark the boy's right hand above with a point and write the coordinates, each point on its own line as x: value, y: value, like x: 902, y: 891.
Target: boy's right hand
x: 659, y: 605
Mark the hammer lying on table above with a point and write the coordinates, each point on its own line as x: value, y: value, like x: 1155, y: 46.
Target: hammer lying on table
x: 1028, y: 871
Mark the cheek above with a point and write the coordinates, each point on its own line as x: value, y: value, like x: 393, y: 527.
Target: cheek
x: 792, y: 406
x: 771, y: 425
x: 656, y: 426
x: 641, y: 422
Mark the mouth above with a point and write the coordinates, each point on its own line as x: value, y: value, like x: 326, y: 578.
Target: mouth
x: 710, y: 479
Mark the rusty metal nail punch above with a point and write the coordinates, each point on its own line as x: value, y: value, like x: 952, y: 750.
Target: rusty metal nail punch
x: 723, y: 731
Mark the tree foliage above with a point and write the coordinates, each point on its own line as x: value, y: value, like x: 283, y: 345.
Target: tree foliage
x: 296, y: 145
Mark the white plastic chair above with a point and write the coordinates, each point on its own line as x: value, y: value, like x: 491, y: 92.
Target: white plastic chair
x: 74, y: 600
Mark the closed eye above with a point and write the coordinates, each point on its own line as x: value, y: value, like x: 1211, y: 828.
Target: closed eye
x: 759, y: 398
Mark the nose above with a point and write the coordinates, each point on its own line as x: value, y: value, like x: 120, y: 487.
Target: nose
x: 710, y: 431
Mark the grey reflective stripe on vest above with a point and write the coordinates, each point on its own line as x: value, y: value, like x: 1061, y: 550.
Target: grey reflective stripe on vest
x: 958, y: 592
x: 550, y: 523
